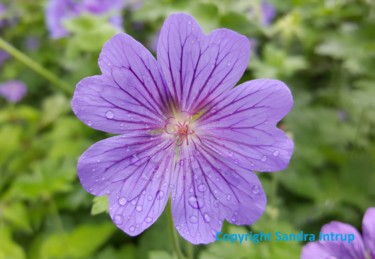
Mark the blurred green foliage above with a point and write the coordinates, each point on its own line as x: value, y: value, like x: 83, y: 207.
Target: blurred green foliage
x: 324, y: 50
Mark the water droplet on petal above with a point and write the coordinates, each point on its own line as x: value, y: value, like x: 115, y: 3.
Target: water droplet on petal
x: 234, y: 219
x: 89, y: 123
x: 195, y: 203
x: 132, y: 228
x: 191, y: 189
x: 160, y: 195
x: 148, y: 220
x: 202, y: 188
x: 193, y: 219
x: 149, y: 198
x: 122, y: 201
x: 139, y: 208
x: 181, y: 162
x: 207, y: 217
x: 255, y: 189
x: 264, y: 158
x: 229, y: 197
x: 276, y: 153
x: 109, y: 115
x: 118, y: 219
x: 134, y: 201
x: 230, y: 154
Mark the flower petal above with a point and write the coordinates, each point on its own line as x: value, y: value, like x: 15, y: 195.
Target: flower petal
x: 200, y: 68
x: 242, y: 126
x: 128, y: 96
x: 208, y: 190
x: 368, y: 229
x: 336, y: 249
x: 134, y: 171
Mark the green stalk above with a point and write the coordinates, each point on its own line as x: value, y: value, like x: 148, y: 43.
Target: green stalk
x: 35, y: 66
x: 173, y: 232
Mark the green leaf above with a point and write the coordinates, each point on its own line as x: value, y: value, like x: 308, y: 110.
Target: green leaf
x: 100, y: 205
x: 8, y: 248
x: 82, y: 242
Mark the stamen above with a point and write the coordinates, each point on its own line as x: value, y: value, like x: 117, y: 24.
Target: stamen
x: 180, y: 128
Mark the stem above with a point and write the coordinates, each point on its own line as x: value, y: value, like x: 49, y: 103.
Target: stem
x: 274, y: 187
x: 190, y: 250
x: 173, y: 232
x: 35, y: 66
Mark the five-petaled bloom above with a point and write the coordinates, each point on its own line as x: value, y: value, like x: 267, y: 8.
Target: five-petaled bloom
x: 362, y: 247
x: 13, y: 91
x: 185, y: 131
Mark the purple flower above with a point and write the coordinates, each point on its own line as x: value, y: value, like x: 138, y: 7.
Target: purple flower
x: 3, y: 56
x: 185, y: 131
x: 2, y: 15
x: 13, y: 91
x: 268, y: 13
x: 361, y: 247
x: 59, y: 10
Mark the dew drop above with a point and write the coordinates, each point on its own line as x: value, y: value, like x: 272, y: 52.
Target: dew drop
x: 149, y: 198
x: 122, y: 201
x: 255, y: 189
x: 191, y: 190
x: 181, y: 162
x: 230, y: 154
x: 132, y: 228
x: 118, y: 219
x: 148, y: 220
x: 228, y: 64
x: 109, y: 115
x: 195, y: 203
x: 93, y: 169
x: 139, y: 208
x: 229, y: 197
x: 207, y: 217
x: 134, y: 201
x: 202, y: 188
x: 264, y: 158
x: 234, y: 219
x: 89, y: 123
x: 276, y: 153
x: 193, y: 219
x: 160, y: 195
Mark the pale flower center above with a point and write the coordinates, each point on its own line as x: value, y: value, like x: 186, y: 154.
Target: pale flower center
x: 180, y: 127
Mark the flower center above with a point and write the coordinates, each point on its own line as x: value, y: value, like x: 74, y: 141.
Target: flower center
x: 180, y: 128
